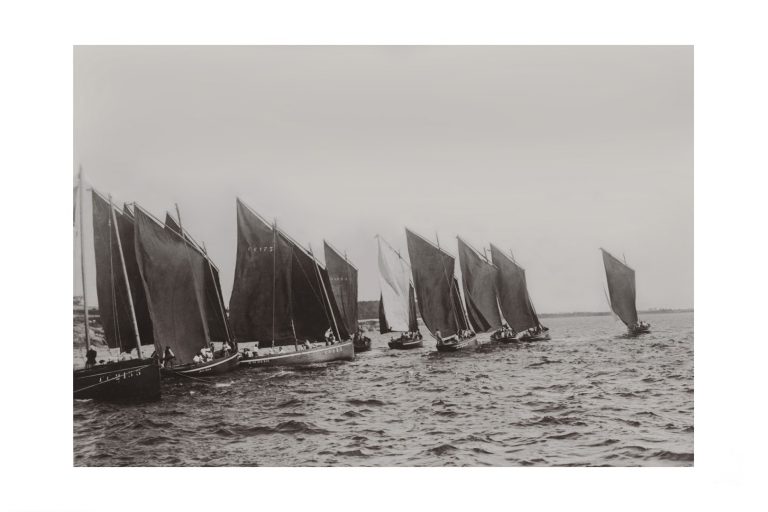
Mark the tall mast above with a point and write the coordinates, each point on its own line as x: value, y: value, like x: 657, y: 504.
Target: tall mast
x: 325, y: 292
x: 450, y: 283
x: 216, y: 290
x: 192, y: 270
x: 125, y: 276
x: 82, y: 263
x: 274, y: 279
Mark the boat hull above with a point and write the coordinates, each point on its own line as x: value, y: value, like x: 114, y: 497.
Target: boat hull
x: 341, y: 352
x: 455, y: 346
x: 636, y: 331
x: 135, y: 380
x: 405, y: 344
x: 216, y: 367
x: 362, y: 345
x: 535, y: 337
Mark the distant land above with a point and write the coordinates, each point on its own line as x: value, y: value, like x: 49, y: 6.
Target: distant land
x: 369, y: 310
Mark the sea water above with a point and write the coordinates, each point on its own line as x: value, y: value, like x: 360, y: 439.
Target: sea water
x: 590, y: 396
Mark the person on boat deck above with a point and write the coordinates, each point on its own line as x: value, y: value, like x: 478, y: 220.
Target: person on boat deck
x: 225, y: 350
x: 438, y: 336
x: 168, y: 357
x: 307, y: 345
x: 198, y: 358
x: 90, y: 358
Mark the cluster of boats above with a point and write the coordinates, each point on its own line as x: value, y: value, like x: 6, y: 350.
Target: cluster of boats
x: 157, y: 286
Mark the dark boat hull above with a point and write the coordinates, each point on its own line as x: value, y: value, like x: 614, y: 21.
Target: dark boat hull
x: 341, y: 352
x: 218, y: 366
x: 362, y: 345
x: 405, y: 344
x: 503, y: 339
x: 455, y: 346
x: 636, y: 331
x: 535, y: 337
x: 134, y: 380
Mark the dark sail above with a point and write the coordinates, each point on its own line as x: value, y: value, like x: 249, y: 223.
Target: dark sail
x: 312, y: 303
x: 383, y: 325
x: 111, y: 289
x: 479, y: 280
x: 413, y: 319
x: 513, y: 292
x: 214, y: 301
x: 621, y: 288
x: 172, y: 282
x: 344, y: 283
x: 126, y: 225
x: 260, y: 304
x: 434, y: 282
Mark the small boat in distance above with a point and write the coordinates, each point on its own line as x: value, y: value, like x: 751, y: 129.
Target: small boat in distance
x: 438, y: 292
x: 282, y: 297
x: 397, y: 301
x: 118, y: 291
x: 621, y: 290
x: 514, y: 300
x: 343, y: 276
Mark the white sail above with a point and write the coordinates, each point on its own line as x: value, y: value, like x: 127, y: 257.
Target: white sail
x: 394, y: 281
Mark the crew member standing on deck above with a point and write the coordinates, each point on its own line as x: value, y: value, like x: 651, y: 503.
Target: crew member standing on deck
x: 168, y: 356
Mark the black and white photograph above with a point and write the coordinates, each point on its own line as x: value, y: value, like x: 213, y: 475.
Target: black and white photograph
x: 383, y: 256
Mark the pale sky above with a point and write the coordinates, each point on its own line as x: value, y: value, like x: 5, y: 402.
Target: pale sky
x: 552, y: 152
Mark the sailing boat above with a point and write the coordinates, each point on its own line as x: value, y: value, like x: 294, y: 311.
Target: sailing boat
x: 621, y: 288
x: 343, y: 276
x: 515, y: 303
x: 479, y: 278
x: 397, y: 302
x: 175, y: 272
x: 282, y: 295
x: 438, y: 291
x: 118, y: 292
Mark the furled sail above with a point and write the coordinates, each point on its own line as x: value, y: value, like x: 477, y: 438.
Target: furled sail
x: 514, y: 300
x: 211, y: 285
x: 395, y: 290
x: 621, y: 288
x: 478, y: 277
x: 111, y: 289
x: 436, y: 286
x: 343, y: 277
x: 260, y: 304
x: 172, y: 282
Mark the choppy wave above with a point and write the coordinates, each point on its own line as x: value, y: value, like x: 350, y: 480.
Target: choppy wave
x: 594, y: 398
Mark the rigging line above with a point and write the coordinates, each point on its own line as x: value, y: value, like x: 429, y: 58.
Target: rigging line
x: 327, y: 298
x: 134, y: 324
x: 115, y: 323
x: 200, y: 306
x: 82, y: 264
x: 450, y: 285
